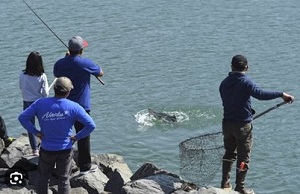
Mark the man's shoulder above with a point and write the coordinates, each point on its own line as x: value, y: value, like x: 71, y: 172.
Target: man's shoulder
x: 62, y: 60
x: 247, y: 80
x: 80, y: 61
x: 76, y: 107
x: 85, y: 61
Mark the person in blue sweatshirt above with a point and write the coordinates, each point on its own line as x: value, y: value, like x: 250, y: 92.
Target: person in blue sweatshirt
x: 56, y: 116
x: 236, y: 91
x: 79, y: 70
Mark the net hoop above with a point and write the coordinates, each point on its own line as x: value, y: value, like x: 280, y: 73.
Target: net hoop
x: 201, y: 157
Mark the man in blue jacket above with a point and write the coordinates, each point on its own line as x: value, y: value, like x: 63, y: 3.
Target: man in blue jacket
x: 56, y: 116
x: 79, y: 71
x: 236, y: 91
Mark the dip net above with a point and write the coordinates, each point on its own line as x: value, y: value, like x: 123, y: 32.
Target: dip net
x: 201, y: 157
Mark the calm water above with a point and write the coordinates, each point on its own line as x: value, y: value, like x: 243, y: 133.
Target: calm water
x: 169, y: 56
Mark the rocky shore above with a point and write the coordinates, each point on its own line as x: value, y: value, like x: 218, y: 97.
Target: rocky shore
x: 18, y: 174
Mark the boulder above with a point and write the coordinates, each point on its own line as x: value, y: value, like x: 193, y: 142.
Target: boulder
x: 150, y: 179
x: 110, y: 162
x: 15, y: 151
x: 92, y: 182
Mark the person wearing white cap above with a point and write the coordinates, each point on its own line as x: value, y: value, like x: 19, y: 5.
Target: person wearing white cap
x: 56, y: 116
x: 79, y: 71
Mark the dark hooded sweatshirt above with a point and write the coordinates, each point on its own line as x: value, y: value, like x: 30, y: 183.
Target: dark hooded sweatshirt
x: 236, y: 90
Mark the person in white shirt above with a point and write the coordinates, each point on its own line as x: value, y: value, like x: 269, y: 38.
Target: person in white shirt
x: 34, y: 85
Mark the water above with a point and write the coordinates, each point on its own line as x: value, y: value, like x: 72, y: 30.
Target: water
x: 169, y: 56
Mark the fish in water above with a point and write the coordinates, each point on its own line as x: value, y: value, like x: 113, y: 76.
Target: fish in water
x: 162, y: 116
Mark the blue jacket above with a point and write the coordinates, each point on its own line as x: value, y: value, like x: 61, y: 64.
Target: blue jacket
x: 56, y: 117
x: 236, y: 90
x: 78, y: 70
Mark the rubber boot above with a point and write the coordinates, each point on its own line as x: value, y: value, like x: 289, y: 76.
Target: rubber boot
x: 226, y: 168
x: 240, y: 182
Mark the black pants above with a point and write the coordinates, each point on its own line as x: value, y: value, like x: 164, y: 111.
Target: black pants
x: 47, y: 160
x: 3, y: 132
x: 237, y: 141
x: 84, y: 149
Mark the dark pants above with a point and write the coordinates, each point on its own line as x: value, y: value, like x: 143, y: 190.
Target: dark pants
x: 47, y: 161
x: 3, y: 132
x: 237, y: 142
x: 84, y: 149
x: 32, y: 138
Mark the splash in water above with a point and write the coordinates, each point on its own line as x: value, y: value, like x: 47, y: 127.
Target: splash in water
x: 143, y: 117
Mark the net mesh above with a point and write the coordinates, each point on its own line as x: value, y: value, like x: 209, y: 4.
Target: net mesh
x: 201, y: 157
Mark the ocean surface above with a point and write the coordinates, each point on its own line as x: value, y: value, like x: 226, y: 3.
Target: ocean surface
x: 169, y: 56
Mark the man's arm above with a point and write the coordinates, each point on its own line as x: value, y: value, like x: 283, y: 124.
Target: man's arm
x: 87, y: 121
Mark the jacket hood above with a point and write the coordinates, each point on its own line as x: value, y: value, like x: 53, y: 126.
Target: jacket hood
x: 234, y: 78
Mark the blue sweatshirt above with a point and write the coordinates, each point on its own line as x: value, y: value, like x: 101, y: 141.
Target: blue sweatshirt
x: 78, y: 70
x: 236, y: 90
x: 56, y: 117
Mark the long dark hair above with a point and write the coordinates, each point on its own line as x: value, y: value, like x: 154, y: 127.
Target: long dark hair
x: 34, y: 64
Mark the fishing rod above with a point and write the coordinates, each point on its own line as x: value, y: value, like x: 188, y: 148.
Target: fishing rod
x: 268, y: 110
x: 102, y: 82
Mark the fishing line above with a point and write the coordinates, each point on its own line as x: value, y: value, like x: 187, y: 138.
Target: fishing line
x: 45, y: 24
x: 52, y: 84
x: 102, y: 82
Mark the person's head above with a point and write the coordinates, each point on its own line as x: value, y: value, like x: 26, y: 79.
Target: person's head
x: 76, y: 45
x: 34, y: 64
x: 62, y: 87
x: 239, y: 63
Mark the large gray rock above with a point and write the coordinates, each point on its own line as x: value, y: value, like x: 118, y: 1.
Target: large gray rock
x: 115, y: 169
x: 79, y: 190
x: 111, y: 162
x: 213, y: 190
x: 153, y: 184
x: 92, y: 182
x: 17, y: 190
x: 115, y: 183
x: 11, y: 155
x: 150, y: 179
